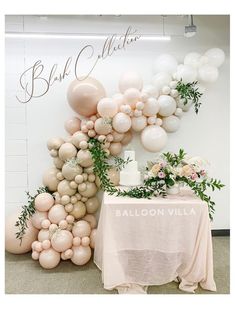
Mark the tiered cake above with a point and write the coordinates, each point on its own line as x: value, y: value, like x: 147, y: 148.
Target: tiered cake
x: 129, y: 175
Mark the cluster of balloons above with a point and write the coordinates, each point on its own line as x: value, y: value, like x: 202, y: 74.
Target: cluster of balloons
x: 64, y: 225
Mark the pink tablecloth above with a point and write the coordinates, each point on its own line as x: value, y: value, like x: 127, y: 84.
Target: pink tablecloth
x: 143, y: 242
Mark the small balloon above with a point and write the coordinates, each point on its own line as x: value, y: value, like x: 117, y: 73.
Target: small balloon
x: 171, y: 124
x: 72, y: 125
x: 215, y: 57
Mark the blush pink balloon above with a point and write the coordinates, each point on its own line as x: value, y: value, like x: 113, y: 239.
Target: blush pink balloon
x: 129, y: 80
x: 83, y: 95
x: 107, y: 107
x: 57, y: 213
x: 82, y: 228
x: 131, y: 97
x: 93, y: 238
x: 62, y: 240
x: 121, y: 122
x: 49, y: 258
x: 72, y: 125
x: 81, y: 255
x: 44, y: 201
x: 37, y: 218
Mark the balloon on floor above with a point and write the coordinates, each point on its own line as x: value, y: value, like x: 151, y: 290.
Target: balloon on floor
x: 63, y: 226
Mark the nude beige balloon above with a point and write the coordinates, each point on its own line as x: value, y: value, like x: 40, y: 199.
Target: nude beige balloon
x: 72, y: 125
x: 127, y: 138
x: 103, y: 126
x: 49, y: 178
x: 49, y: 259
x: 37, y: 218
x: 44, y: 201
x: 79, y: 137
x: 57, y: 213
x: 92, y: 204
x: 81, y: 228
x: 84, y: 158
x: 93, y: 237
x: 65, y: 189
x: 67, y: 151
x: 91, y: 220
x: 79, y: 210
x: 58, y: 162
x: 54, y: 143
x: 81, y: 255
x: 90, y: 190
x: 115, y: 148
x: 12, y: 244
x: 114, y: 176
x: 62, y: 240
x: 70, y: 170
x: 83, y: 95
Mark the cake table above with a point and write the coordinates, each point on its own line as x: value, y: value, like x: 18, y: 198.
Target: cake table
x: 142, y: 242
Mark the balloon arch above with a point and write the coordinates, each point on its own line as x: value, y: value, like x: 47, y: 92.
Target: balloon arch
x: 59, y: 221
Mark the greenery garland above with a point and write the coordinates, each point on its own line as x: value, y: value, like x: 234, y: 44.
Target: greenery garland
x: 27, y: 211
x: 189, y: 91
x: 153, y: 186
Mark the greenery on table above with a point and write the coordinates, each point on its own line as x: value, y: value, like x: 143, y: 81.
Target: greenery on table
x: 153, y: 185
x: 27, y: 211
x: 189, y: 91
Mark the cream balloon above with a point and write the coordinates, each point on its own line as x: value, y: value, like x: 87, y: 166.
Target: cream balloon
x: 115, y: 148
x: 165, y: 63
x: 208, y: 73
x: 107, y: 107
x: 103, y: 126
x: 91, y: 220
x: 44, y: 234
x: 58, y: 162
x: 215, y: 57
x: 153, y: 138
x: 84, y: 158
x: 70, y: 170
x: 151, y: 107
x: 44, y: 201
x: 92, y: 204
x: 50, y: 180
x: 118, y: 98
x: 79, y: 210
x: 81, y: 255
x: 171, y: 124
x: 161, y: 79
x: 129, y: 80
x: 49, y: 259
x: 127, y: 138
x: 93, y: 238
x: 65, y: 189
x: 37, y: 218
x: 57, y: 213
x: 167, y: 105
x: 81, y: 228
x: 121, y: 122
x: 13, y: 244
x: 62, y: 240
x: 83, y: 95
x: 72, y: 125
x: 54, y: 143
x: 79, y: 137
x: 90, y: 191
x: 151, y: 90
x: 117, y: 137
x: 138, y: 123
x: 67, y: 151
x: 192, y: 59
x: 131, y: 97
x: 187, y: 73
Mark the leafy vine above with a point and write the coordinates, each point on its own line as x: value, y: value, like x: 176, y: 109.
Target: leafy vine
x: 189, y: 91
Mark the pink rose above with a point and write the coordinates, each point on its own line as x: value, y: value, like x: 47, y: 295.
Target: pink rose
x: 161, y: 174
x: 194, y: 176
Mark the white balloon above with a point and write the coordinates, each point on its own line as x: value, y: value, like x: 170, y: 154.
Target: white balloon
x: 121, y: 122
x: 215, y: 57
x: 167, y: 105
x: 187, y: 73
x: 138, y: 123
x: 153, y: 138
x: 165, y: 63
x: 118, y: 97
x: 151, y: 90
x: 161, y: 79
x: 151, y: 107
x: 130, y: 80
x: 185, y: 107
x: 107, y: 107
x: 192, y: 59
x: 171, y: 124
x: 208, y: 73
x: 203, y: 60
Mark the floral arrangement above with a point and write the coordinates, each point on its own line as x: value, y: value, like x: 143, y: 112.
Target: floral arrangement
x: 161, y: 174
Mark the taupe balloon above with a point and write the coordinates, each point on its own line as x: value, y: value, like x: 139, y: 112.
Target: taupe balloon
x: 92, y: 204
x: 91, y: 220
x: 84, y: 158
x: 58, y: 162
x: 115, y: 148
x: 69, y: 171
x: 79, y: 210
x: 65, y: 189
x: 84, y: 95
x: 81, y: 228
x: 67, y: 151
x: 54, y: 143
x: 127, y: 138
x: 49, y: 259
x: 49, y: 178
x: 90, y: 191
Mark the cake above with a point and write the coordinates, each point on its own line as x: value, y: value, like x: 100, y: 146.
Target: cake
x: 130, y: 175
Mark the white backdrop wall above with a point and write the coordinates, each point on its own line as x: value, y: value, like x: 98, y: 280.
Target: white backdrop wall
x: 28, y: 126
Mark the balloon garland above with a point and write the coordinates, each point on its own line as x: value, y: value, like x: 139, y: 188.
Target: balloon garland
x: 63, y: 215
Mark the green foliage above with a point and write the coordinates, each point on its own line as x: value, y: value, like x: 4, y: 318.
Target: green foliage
x: 27, y: 211
x: 188, y: 92
x: 175, y: 159
x: 120, y: 163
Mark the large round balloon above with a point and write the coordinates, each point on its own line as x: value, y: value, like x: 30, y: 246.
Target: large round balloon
x: 208, y: 73
x: 72, y: 125
x: 62, y: 240
x: 81, y: 255
x: 138, y: 123
x: 83, y: 95
x: 192, y: 59
x: 50, y: 180
x: 44, y: 201
x: 107, y: 107
x: 121, y: 122
x: 187, y: 73
x: 171, y: 124
x: 49, y: 258
x: 153, y: 138
x: 215, y: 57
x: 165, y: 63
x: 129, y: 80
x: 14, y: 245
x: 167, y: 105
x: 151, y: 107
x: 161, y: 79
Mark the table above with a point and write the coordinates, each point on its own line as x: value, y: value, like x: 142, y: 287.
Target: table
x: 142, y: 242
